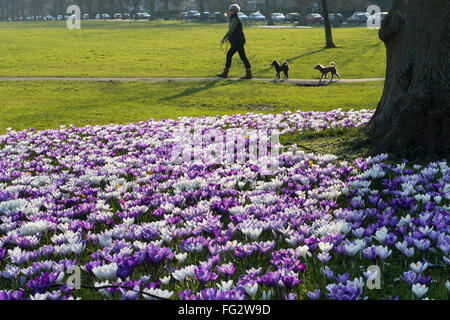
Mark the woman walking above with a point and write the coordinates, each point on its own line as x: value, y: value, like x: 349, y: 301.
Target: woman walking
x: 236, y: 37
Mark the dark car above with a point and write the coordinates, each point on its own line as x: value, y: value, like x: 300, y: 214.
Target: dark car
x: 313, y: 18
x: 193, y: 15
x: 292, y: 17
x: 217, y: 16
x: 358, y: 18
x: 331, y: 17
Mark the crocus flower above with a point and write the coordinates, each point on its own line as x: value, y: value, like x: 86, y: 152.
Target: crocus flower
x: 418, y: 267
x: 419, y: 290
x: 251, y: 289
x: 314, y: 295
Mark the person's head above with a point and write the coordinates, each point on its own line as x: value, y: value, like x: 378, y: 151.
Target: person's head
x: 234, y: 9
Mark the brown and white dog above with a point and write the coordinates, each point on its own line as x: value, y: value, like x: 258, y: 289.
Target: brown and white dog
x: 325, y: 70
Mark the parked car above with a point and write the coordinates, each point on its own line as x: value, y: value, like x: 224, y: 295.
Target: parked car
x: 86, y: 16
x: 49, y: 18
x: 292, y: 17
x: 331, y: 17
x: 243, y: 17
x: 217, y: 16
x: 278, y: 17
x: 313, y: 18
x: 193, y: 15
x: 143, y: 16
x: 117, y: 16
x: 358, y: 18
x: 59, y: 17
x: 256, y: 17
x: 184, y: 14
x: 126, y: 16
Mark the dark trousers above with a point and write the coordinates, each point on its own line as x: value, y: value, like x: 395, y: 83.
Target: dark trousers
x: 241, y: 51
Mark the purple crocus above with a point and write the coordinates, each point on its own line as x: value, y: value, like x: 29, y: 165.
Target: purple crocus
x: 314, y: 295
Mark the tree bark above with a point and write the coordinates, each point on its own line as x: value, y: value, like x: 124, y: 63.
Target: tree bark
x: 268, y: 13
x: 202, y: 10
x: 326, y: 22
x: 414, y: 111
x: 302, y: 11
x: 166, y: 10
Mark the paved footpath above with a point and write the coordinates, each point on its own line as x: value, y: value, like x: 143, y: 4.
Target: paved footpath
x: 305, y: 82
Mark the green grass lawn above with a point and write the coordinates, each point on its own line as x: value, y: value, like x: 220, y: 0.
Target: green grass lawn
x: 49, y: 104
x: 171, y: 49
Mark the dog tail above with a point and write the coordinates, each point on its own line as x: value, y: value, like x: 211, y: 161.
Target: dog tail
x: 286, y: 64
x: 332, y: 64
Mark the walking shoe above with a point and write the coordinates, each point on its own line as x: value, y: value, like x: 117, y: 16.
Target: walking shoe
x: 224, y: 74
x: 248, y: 74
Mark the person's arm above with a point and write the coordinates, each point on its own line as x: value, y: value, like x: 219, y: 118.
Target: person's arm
x: 233, y: 26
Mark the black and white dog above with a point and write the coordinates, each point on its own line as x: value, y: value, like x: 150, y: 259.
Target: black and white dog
x: 325, y: 70
x: 284, y: 67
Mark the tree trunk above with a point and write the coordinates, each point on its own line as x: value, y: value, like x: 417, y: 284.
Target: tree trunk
x: 202, y: 10
x: 268, y: 13
x: 326, y: 21
x: 166, y: 9
x: 414, y: 112
x: 301, y: 9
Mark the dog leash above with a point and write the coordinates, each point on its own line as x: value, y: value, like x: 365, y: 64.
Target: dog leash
x: 225, y: 50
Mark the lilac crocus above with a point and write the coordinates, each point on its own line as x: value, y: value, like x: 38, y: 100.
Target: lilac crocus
x: 314, y: 295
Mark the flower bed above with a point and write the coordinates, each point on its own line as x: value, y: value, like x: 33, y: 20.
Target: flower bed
x: 108, y: 204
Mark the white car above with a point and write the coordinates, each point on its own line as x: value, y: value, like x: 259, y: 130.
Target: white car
x: 143, y: 16
x: 278, y: 17
x: 242, y: 16
x: 256, y: 17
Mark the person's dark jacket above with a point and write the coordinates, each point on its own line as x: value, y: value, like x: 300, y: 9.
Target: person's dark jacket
x: 235, y: 34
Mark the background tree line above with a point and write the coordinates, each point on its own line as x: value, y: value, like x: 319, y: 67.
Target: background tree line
x: 159, y: 8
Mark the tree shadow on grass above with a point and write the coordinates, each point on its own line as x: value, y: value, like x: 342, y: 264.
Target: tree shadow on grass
x: 196, y: 89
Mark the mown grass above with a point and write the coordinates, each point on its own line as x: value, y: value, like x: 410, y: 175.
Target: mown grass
x: 50, y: 104
x: 171, y: 49
x: 346, y: 144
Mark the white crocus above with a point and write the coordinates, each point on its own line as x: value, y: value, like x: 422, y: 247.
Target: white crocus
x: 251, y: 289
x: 165, y: 280
x: 181, y: 257
x: 419, y: 290
x: 179, y: 275
x: 381, y: 234
x: 302, y: 251
x: 225, y: 285
x: 325, y: 246
x: 418, y: 267
x: 106, y: 272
